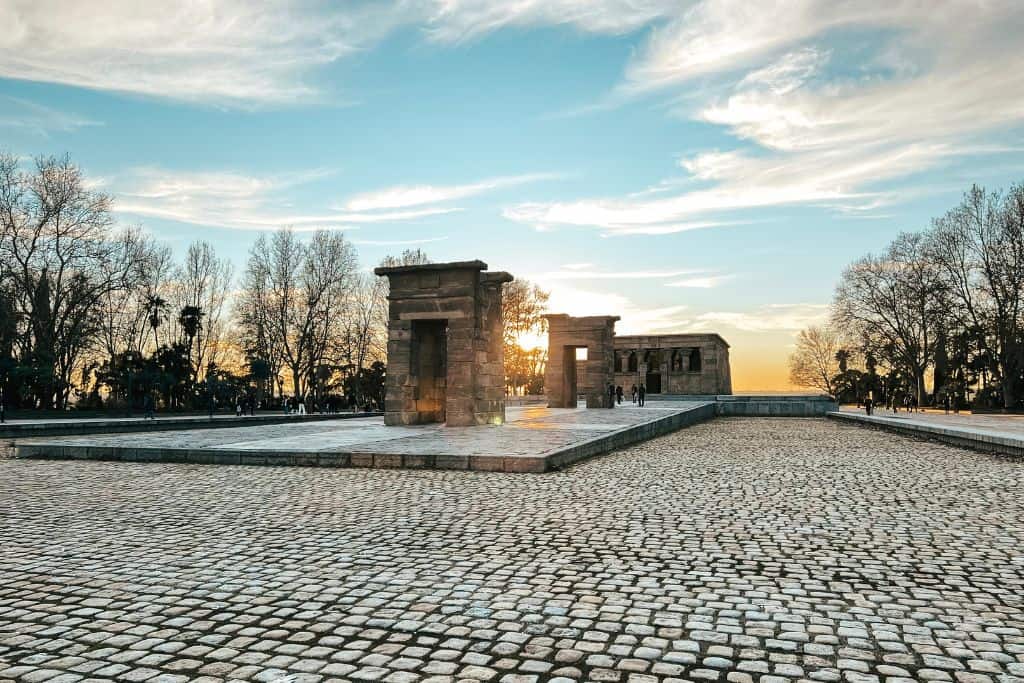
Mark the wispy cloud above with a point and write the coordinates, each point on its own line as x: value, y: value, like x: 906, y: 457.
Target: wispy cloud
x: 402, y: 196
x: 636, y: 317
x: 222, y: 51
x: 460, y: 20
x: 240, y: 53
x: 239, y: 201
x: 701, y: 282
x: 398, y: 243
x: 942, y: 78
x: 23, y: 114
x: 585, y: 272
x: 779, y: 317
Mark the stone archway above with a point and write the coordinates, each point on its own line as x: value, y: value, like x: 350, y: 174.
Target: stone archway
x: 562, y: 379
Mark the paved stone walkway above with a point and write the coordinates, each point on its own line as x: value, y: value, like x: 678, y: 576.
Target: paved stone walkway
x: 770, y: 550
x: 993, y: 433
x: 989, y: 423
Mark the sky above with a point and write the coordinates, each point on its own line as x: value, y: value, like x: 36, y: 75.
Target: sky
x: 707, y: 165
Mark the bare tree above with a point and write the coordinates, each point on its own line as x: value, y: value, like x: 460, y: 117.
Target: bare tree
x: 523, y: 306
x: 979, y: 247
x: 200, y: 300
x: 895, y: 303
x: 814, y: 362
x: 62, y: 257
x: 302, y: 293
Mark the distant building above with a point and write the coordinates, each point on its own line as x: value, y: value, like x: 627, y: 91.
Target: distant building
x: 673, y: 363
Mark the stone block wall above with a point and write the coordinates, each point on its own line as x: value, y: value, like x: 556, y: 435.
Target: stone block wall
x: 564, y: 376
x: 654, y: 355
x: 455, y: 376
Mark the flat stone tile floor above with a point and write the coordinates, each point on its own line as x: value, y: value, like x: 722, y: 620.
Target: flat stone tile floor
x: 530, y: 432
x: 741, y: 549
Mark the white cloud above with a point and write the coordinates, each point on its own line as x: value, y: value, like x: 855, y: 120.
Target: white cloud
x: 714, y: 37
x: 240, y: 53
x: 943, y: 78
x: 398, y: 243
x: 703, y: 282
x: 16, y: 112
x: 773, y: 317
x: 238, y: 201
x: 223, y: 51
x: 403, y: 196
x: 457, y: 20
x: 789, y: 73
x: 584, y: 273
x: 635, y: 317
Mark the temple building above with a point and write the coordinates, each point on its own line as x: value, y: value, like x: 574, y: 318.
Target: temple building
x: 673, y: 363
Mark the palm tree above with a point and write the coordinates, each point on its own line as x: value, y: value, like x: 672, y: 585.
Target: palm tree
x: 191, y: 321
x: 155, y: 307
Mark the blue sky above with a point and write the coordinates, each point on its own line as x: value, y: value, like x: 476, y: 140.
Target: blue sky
x: 705, y: 166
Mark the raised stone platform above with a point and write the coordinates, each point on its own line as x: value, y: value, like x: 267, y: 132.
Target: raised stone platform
x: 991, y: 434
x: 534, y: 439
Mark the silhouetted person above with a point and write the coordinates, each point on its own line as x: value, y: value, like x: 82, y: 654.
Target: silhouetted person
x: 869, y: 404
x: 149, y: 405
x: 611, y: 395
x: 642, y: 394
x: 618, y: 394
x: 634, y: 393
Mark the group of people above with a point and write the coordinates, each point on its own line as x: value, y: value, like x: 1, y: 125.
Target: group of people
x: 894, y: 401
x: 615, y: 394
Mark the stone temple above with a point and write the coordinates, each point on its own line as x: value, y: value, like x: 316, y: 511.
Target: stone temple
x: 445, y: 355
x: 688, y: 364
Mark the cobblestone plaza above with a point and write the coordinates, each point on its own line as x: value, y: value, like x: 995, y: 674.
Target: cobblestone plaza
x: 760, y: 549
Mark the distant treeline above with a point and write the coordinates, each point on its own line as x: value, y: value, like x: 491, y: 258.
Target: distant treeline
x: 938, y: 316
x: 94, y: 315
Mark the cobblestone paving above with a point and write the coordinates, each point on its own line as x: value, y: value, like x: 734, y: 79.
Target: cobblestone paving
x: 736, y: 550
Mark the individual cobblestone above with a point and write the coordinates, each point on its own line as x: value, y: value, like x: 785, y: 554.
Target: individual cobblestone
x: 744, y: 550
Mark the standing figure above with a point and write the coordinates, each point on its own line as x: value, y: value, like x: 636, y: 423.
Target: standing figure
x: 611, y: 395
x: 642, y: 393
x: 618, y: 394
x: 634, y: 393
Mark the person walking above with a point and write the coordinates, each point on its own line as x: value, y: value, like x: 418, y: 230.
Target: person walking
x: 611, y: 395
x: 618, y: 394
x: 302, y: 405
x: 868, y: 404
x: 634, y: 393
x: 149, y: 405
x: 641, y: 394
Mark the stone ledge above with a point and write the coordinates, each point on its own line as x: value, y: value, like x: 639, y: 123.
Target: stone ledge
x: 24, y: 430
x: 955, y: 436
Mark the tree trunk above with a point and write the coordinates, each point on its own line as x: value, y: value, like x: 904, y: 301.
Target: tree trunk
x: 1009, y: 393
